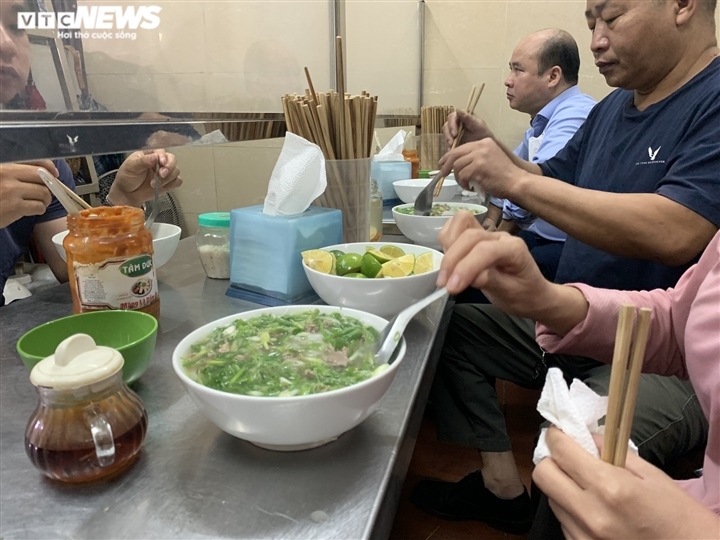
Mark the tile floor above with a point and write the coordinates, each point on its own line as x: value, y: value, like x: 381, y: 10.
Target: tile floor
x: 450, y: 462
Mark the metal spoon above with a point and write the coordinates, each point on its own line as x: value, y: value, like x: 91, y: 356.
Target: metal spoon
x: 423, y: 203
x: 393, y: 331
x: 153, y: 213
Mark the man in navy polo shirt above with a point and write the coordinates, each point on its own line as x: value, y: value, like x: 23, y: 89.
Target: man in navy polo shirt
x: 637, y: 190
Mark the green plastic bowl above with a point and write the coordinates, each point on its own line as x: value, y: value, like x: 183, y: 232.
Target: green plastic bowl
x: 133, y: 333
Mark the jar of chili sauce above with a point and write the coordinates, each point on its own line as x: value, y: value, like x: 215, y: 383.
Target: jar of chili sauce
x: 110, y: 261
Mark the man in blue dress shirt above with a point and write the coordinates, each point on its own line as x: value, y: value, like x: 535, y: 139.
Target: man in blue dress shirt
x: 543, y: 84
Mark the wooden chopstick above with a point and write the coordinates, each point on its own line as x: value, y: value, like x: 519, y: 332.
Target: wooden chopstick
x: 624, y: 380
x: 631, y: 386
x: 342, y: 125
x: 74, y: 196
x: 470, y: 109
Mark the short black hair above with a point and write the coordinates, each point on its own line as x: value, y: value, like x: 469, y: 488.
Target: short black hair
x: 560, y: 50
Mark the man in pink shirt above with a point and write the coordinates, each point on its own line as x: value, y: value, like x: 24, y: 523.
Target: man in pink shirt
x: 589, y: 497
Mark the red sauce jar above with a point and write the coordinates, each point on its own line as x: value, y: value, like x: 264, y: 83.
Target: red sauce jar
x: 110, y: 261
x: 414, y: 159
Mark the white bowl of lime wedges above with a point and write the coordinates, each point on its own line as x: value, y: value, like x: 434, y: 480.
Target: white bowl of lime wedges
x: 378, y: 277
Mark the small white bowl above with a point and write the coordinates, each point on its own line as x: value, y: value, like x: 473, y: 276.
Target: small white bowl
x: 408, y: 190
x: 165, y: 241
x: 288, y: 423
x: 385, y: 297
x: 424, y: 230
x: 450, y: 176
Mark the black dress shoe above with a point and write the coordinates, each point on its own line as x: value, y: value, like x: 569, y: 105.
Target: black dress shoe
x: 469, y: 499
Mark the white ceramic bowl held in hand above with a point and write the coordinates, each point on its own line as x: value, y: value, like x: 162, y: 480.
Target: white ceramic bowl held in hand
x: 424, y: 230
x: 408, y: 190
x: 288, y: 423
x: 385, y: 297
x: 165, y: 241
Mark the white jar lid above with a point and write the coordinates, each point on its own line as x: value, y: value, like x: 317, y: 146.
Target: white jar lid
x: 77, y: 362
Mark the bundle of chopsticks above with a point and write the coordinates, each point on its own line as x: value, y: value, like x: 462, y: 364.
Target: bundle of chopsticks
x: 70, y: 200
x: 247, y: 130
x: 432, y: 119
x: 475, y: 94
x: 624, y: 381
x: 342, y: 125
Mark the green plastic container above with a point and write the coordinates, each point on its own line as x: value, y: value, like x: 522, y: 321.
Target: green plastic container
x: 132, y: 333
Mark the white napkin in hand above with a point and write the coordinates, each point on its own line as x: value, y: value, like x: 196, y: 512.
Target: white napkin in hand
x: 575, y: 410
x: 297, y: 179
x: 392, y: 151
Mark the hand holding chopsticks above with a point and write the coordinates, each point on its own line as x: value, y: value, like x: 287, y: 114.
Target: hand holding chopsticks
x: 475, y: 94
x: 66, y: 196
x: 624, y: 380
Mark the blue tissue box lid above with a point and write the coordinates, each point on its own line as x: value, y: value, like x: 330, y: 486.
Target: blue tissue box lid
x: 386, y: 172
x: 265, y: 251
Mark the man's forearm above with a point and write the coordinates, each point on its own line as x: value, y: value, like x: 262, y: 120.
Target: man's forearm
x: 492, y: 217
x: 508, y: 226
x: 527, y: 166
x: 560, y: 308
x: 638, y: 225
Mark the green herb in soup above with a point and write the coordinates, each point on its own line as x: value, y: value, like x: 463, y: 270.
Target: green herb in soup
x: 292, y: 355
x: 439, y: 210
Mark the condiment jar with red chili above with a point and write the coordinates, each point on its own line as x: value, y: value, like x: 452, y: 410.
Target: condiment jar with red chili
x: 110, y: 261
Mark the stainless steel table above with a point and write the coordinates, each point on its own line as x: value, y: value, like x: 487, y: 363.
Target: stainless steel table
x: 192, y: 479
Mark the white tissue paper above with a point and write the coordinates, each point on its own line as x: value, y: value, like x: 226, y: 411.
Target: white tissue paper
x: 575, y: 410
x: 15, y: 289
x: 392, y: 151
x: 297, y: 179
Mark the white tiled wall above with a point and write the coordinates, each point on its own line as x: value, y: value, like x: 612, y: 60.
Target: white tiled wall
x: 242, y: 55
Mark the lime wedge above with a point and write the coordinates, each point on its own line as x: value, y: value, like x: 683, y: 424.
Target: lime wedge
x: 400, y: 267
x: 423, y: 264
x: 379, y: 255
x: 348, y: 264
x: 393, y: 251
x: 317, y: 259
x: 370, y: 266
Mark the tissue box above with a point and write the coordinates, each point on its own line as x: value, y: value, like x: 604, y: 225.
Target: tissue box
x: 385, y: 173
x: 265, y: 251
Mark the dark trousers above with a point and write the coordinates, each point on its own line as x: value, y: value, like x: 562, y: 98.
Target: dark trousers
x: 484, y: 344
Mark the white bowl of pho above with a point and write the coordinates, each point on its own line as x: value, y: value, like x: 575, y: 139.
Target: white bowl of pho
x: 288, y: 377
x: 424, y: 230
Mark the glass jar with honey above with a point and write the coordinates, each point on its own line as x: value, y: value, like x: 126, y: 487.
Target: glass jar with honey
x: 88, y: 424
x: 110, y: 261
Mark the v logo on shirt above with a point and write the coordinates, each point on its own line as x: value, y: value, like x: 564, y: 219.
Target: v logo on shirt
x: 653, y: 154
